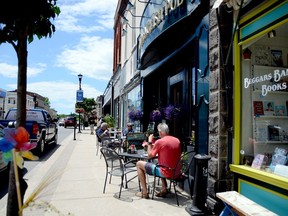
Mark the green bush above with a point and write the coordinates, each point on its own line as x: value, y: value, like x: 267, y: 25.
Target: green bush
x: 109, y: 120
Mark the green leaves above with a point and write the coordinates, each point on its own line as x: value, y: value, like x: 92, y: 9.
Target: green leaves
x: 27, y: 18
x: 109, y: 120
x: 88, y: 104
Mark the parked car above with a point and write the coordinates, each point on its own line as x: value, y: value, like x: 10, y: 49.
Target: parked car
x: 61, y: 122
x: 39, y: 124
x: 3, y: 166
x: 70, y: 121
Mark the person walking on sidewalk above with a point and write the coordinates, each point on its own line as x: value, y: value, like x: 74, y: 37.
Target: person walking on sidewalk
x: 92, y: 120
x: 168, y: 149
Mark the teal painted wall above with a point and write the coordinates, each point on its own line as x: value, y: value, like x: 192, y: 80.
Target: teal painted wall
x: 265, y: 198
x: 264, y: 21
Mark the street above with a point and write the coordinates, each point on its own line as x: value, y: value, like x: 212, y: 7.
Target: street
x: 63, y: 133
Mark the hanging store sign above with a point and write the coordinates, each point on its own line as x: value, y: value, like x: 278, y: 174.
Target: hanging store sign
x: 162, y: 13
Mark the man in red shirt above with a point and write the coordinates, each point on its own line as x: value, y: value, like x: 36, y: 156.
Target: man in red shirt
x: 168, y: 149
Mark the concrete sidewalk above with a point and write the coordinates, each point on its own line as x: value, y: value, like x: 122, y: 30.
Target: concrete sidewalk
x: 71, y: 183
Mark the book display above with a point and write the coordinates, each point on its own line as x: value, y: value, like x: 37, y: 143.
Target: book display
x: 260, y: 101
x: 258, y: 108
x: 270, y: 120
x: 280, y: 110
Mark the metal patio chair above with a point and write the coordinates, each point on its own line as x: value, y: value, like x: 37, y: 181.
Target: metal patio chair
x: 180, y: 173
x: 115, y: 166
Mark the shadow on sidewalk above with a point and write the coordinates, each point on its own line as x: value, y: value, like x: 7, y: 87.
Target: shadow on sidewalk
x: 128, y: 195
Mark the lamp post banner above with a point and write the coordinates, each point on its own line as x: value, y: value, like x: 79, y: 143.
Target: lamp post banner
x: 2, y: 93
x: 79, y: 96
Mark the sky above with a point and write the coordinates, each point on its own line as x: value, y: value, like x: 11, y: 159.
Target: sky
x: 82, y: 43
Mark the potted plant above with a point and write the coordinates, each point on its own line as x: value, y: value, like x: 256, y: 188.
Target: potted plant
x: 109, y: 120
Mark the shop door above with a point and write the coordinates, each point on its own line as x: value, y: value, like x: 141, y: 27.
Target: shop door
x: 176, y: 99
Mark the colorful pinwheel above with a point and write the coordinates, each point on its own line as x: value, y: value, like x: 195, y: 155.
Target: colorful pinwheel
x: 17, y: 139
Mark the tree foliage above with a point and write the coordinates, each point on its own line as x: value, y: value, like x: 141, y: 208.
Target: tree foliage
x: 87, y: 104
x: 27, y: 18
x: 20, y: 21
x: 47, y: 101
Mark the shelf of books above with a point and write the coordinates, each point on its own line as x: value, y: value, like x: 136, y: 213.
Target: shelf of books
x: 270, y: 109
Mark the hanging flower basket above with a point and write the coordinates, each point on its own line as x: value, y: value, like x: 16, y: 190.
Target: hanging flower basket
x: 172, y: 113
x: 135, y: 115
x: 156, y: 116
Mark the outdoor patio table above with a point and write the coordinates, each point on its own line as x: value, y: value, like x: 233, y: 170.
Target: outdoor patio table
x: 140, y: 155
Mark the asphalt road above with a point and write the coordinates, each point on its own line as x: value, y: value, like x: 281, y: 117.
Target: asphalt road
x: 29, y: 165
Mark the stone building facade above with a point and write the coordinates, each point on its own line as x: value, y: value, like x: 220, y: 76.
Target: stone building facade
x: 220, y: 103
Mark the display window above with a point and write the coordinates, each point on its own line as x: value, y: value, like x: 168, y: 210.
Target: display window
x: 264, y: 102
x: 135, y: 110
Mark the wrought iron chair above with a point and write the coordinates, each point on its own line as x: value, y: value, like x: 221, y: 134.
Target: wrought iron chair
x: 180, y: 173
x: 115, y: 166
x: 108, y: 143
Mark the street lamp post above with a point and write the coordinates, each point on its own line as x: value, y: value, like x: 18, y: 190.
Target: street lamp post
x: 80, y: 79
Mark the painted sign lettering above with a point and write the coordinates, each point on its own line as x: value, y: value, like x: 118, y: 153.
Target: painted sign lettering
x: 276, y: 76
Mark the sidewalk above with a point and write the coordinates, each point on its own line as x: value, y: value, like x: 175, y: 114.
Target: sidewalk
x: 73, y: 179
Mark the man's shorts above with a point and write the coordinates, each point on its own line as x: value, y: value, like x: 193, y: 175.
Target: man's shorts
x: 151, y: 169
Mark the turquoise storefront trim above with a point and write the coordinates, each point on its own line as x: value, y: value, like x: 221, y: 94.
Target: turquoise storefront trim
x: 265, y: 197
x: 264, y: 21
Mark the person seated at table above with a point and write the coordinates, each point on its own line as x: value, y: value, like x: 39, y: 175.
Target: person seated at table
x: 128, y: 129
x: 103, y: 132
x: 168, y: 149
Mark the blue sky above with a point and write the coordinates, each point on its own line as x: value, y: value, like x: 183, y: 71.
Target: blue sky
x: 82, y: 43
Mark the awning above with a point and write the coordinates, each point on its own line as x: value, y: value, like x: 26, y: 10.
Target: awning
x: 107, y: 96
x: 231, y: 3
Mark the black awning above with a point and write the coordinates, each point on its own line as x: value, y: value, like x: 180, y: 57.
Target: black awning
x: 172, y: 38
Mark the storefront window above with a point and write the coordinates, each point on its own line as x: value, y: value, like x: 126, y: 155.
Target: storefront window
x: 135, y: 107
x: 264, y: 126
x: 116, y: 112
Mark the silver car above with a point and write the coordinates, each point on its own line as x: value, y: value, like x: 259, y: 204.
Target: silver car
x: 3, y: 166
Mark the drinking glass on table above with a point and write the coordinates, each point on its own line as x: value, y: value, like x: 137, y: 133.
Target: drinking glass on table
x: 145, y: 146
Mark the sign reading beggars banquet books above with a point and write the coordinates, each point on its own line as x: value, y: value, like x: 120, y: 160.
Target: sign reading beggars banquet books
x: 276, y: 76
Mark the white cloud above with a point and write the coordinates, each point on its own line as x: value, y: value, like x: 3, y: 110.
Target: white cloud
x: 92, y: 57
x: 98, y: 15
x: 11, y: 71
x: 62, y: 94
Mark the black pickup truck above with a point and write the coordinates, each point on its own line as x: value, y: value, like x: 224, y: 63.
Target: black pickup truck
x: 39, y: 124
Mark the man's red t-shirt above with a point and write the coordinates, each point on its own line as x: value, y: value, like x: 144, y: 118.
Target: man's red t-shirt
x: 168, y: 149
